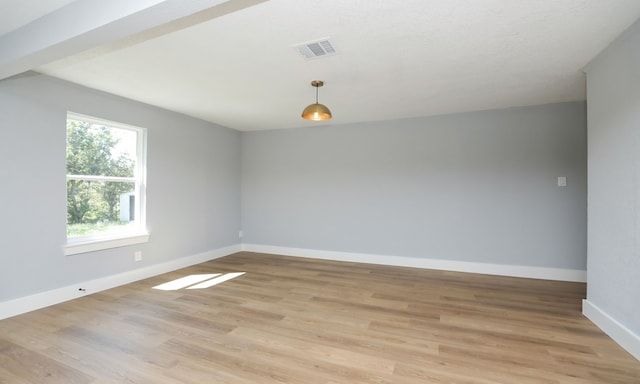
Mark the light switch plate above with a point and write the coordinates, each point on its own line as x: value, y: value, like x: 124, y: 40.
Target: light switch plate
x: 562, y: 181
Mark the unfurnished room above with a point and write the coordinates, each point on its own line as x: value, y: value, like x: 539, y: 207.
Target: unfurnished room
x: 320, y: 192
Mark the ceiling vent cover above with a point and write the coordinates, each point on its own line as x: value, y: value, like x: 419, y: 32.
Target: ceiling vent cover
x: 316, y: 49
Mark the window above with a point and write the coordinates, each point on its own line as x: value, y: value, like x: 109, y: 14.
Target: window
x: 105, y: 184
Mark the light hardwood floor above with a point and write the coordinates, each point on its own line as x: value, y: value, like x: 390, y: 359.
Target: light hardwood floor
x: 294, y: 320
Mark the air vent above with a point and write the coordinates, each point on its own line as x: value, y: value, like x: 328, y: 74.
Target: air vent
x: 316, y: 49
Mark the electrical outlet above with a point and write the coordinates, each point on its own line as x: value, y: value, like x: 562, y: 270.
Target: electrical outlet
x: 240, y: 233
x: 137, y: 255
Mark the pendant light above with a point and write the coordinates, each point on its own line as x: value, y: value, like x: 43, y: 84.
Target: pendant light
x: 316, y: 111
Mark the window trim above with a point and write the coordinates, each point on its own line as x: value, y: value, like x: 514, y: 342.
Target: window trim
x: 140, y: 234
x: 98, y: 244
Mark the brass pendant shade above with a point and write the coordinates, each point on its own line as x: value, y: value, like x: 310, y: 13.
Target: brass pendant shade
x: 317, y: 111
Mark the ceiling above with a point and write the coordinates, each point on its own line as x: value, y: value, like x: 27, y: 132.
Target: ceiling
x: 233, y: 62
x: 15, y: 14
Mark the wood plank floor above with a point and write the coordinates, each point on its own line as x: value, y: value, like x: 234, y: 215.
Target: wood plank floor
x: 294, y: 320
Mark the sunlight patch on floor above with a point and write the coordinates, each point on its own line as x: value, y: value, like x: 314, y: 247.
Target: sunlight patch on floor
x: 216, y: 280
x: 197, y: 281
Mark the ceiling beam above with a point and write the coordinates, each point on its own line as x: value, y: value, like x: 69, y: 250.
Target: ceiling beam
x: 86, y: 24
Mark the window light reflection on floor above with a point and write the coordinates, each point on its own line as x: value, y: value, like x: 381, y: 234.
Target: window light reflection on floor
x: 216, y: 280
x: 197, y: 281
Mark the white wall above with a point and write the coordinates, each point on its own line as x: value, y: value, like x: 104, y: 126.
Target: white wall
x: 613, y: 289
x: 475, y: 187
x: 193, y: 197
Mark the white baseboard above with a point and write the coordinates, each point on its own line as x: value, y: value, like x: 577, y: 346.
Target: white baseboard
x: 40, y: 300
x: 447, y: 265
x: 618, y: 332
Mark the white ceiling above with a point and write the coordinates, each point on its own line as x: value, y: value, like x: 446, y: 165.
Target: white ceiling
x: 236, y: 66
x: 14, y: 14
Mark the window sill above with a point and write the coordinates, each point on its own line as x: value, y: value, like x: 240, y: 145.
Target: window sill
x: 91, y: 245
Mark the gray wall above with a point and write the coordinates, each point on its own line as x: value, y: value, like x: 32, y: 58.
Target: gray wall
x: 193, y: 196
x: 479, y: 187
x: 613, y: 84
x: 475, y: 187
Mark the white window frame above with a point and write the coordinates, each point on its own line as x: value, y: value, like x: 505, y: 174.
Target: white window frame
x: 138, y: 235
